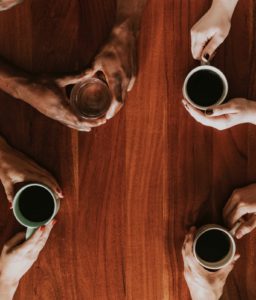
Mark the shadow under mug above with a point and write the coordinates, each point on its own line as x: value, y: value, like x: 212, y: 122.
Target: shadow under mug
x: 216, y: 265
x: 32, y: 226
x: 205, y: 66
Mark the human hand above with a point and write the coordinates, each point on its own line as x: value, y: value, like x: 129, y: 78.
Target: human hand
x: 212, y: 29
x: 116, y: 64
x: 7, y: 4
x: 18, y: 256
x: 241, y: 206
x: 203, y: 284
x: 236, y: 111
x: 15, y: 167
x: 48, y: 96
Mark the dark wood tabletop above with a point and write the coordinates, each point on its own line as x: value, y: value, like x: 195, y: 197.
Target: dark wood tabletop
x: 133, y: 186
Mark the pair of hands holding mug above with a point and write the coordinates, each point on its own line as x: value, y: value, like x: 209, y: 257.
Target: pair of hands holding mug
x: 240, y: 207
x: 17, y: 254
x: 206, y: 36
x: 116, y: 60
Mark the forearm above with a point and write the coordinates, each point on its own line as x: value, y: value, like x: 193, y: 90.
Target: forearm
x: 12, y: 80
x: 130, y: 10
x: 3, y: 147
x: 228, y: 6
x: 7, y: 291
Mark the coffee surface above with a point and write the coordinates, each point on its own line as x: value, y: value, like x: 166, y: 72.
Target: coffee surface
x: 36, y: 204
x: 205, y: 88
x: 213, y: 245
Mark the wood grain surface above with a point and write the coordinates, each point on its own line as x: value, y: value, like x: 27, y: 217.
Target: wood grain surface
x: 133, y: 186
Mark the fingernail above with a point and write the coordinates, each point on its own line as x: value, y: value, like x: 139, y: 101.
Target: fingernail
x: 185, y: 104
x: 41, y: 228
x: 10, y: 205
x: 238, y: 236
x: 206, y: 56
x: 209, y: 112
x: 236, y: 258
x: 54, y: 221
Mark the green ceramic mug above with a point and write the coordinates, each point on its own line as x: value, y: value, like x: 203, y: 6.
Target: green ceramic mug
x: 35, y: 205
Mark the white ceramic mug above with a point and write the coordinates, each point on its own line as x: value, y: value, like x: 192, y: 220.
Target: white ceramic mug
x: 232, y: 249
x: 206, y: 66
x: 31, y: 225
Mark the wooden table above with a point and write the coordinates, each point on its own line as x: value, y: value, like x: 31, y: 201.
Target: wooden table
x: 133, y: 186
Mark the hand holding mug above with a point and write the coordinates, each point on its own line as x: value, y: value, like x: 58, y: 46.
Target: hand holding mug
x: 17, y: 258
x: 48, y: 96
x: 212, y: 29
x: 236, y: 111
x: 203, y: 284
x: 117, y: 64
x: 15, y: 167
x: 242, y: 206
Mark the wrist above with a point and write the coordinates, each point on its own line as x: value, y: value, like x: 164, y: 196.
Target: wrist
x: 252, y: 110
x: 202, y: 294
x: 7, y: 289
x: 225, y: 6
x: 3, y: 147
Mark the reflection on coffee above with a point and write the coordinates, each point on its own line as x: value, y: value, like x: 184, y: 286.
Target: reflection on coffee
x: 36, y: 204
x: 205, y: 88
x: 213, y: 245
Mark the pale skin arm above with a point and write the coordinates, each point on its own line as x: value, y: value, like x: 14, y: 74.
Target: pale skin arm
x: 234, y: 112
x: 241, y: 206
x: 212, y: 29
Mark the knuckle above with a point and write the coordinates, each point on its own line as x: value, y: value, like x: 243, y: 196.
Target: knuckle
x: 236, y: 194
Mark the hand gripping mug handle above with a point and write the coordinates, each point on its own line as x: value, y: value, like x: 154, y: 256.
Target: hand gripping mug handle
x: 235, y: 227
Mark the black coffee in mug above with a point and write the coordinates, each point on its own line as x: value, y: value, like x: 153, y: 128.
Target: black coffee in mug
x: 205, y: 87
x: 36, y: 204
x: 213, y: 245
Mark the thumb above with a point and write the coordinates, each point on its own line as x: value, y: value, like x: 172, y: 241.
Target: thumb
x: 246, y: 227
x: 219, y: 110
x: 227, y: 269
x: 114, y: 109
x: 70, y: 79
x: 9, y: 191
x: 211, y: 47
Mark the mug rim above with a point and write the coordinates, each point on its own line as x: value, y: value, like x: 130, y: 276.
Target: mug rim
x: 205, y: 67
x: 28, y: 223
x: 226, y: 259
x: 75, y: 91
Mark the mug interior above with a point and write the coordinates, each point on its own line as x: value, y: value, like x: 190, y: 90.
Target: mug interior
x: 226, y: 259
x: 91, y: 98
x: 218, y: 72
x: 21, y: 218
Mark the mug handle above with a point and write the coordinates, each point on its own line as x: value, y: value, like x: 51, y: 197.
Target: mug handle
x: 205, y: 62
x: 29, y: 232
x: 233, y: 230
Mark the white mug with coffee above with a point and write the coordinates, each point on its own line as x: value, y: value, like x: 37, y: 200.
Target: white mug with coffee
x: 205, y: 86
x: 214, y: 246
x: 35, y: 205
